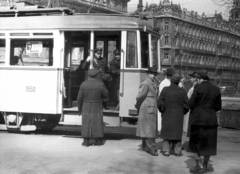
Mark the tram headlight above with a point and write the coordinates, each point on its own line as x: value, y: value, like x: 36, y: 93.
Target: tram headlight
x: 12, y: 118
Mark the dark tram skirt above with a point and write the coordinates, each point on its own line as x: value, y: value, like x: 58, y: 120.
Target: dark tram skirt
x: 203, y: 140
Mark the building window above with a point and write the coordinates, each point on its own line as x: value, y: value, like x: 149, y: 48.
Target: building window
x: 166, y: 41
x: 166, y: 25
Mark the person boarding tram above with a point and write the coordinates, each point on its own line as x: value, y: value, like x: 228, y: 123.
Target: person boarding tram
x: 99, y: 63
x: 146, y: 105
x: 91, y: 94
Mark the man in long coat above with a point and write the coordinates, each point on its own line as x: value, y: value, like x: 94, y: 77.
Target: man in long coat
x: 147, y: 107
x: 204, y: 103
x: 173, y: 104
x: 91, y: 94
x: 166, y: 82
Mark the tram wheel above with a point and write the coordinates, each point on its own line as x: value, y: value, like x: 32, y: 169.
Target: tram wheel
x: 48, y: 124
x: 132, y: 121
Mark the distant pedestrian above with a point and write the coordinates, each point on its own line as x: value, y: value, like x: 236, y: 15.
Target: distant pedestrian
x: 182, y: 83
x: 204, y: 103
x: 166, y: 82
x: 91, y: 94
x: 193, y: 80
x: 147, y: 107
x: 173, y: 104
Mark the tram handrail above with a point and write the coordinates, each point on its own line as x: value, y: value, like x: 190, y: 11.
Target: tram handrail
x: 121, y: 93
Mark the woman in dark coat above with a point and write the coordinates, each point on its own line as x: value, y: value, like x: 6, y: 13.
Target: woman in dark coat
x: 204, y: 103
x: 147, y: 108
x: 91, y: 94
x: 173, y: 104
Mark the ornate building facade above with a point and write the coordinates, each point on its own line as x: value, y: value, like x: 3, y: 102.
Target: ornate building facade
x: 190, y: 41
x: 81, y: 6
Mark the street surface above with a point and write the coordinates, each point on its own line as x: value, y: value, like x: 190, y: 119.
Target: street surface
x: 61, y: 152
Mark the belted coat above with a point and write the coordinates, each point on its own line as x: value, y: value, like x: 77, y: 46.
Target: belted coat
x: 204, y: 103
x: 90, y: 97
x: 173, y: 103
x: 147, y: 107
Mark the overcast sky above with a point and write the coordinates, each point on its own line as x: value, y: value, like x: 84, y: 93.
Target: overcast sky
x: 200, y: 6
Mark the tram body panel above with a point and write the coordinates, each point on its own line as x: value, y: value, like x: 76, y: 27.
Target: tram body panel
x: 29, y: 90
x: 132, y: 79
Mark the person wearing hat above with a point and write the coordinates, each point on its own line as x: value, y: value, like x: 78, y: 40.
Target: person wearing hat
x: 96, y: 62
x: 193, y: 80
x: 173, y: 103
x: 115, y: 66
x: 166, y: 82
x: 99, y: 63
x: 91, y: 94
x: 146, y: 104
x: 204, y: 103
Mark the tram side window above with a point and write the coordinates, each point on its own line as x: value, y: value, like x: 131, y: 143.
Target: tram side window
x: 37, y: 52
x: 2, y: 52
x: 144, y: 50
x: 155, y: 51
x: 131, y: 53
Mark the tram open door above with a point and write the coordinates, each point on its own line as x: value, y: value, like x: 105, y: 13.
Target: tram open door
x: 78, y: 46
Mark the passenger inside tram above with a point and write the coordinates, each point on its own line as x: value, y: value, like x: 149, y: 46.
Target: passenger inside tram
x: 15, y: 59
x: 115, y: 66
x: 31, y: 52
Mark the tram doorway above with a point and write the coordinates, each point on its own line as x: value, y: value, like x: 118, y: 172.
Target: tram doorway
x: 77, y: 45
x: 109, y: 42
x: 77, y: 49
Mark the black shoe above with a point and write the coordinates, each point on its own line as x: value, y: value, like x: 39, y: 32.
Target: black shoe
x: 166, y: 154
x: 99, y: 142
x: 153, y: 153
x: 178, y: 154
x: 205, y: 169
x: 85, y: 144
x: 197, y: 169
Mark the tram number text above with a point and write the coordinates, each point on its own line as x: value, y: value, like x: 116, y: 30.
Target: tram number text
x: 30, y: 88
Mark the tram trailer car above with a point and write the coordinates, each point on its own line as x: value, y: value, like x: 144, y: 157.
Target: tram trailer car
x: 41, y: 56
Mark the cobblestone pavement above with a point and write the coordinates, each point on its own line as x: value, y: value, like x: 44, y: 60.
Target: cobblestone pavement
x: 60, y: 152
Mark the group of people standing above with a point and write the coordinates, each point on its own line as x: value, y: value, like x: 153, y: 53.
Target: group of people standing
x: 165, y: 108
x: 202, y: 102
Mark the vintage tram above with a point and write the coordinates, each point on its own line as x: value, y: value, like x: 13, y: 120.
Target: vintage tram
x: 41, y: 56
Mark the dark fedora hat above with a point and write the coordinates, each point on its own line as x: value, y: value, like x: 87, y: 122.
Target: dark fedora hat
x: 203, y: 74
x: 192, y: 74
x: 117, y: 52
x: 98, y: 50
x: 152, y: 70
x: 170, y: 71
x: 175, y: 78
x: 93, y: 72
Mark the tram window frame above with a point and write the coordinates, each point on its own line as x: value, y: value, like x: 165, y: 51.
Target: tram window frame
x: 47, y: 46
x: 2, y: 50
x: 131, y: 52
x: 145, y: 59
x: 154, y: 43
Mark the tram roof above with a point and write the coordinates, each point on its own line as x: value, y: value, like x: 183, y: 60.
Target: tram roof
x: 66, y: 20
